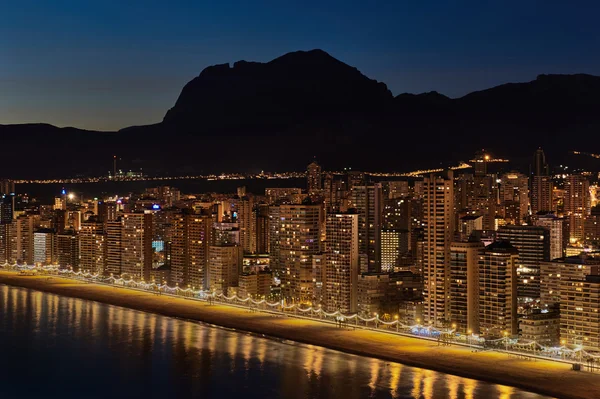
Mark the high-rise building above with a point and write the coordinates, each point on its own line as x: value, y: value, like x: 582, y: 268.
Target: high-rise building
x: 114, y: 235
x: 21, y: 236
x: 397, y: 213
x: 464, y: 191
x: 541, y: 194
x: 6, y: 208
x: 136, y: 245
x: 226, y: 233
x: 533, y: 244
x: 393, y: 243
x: 299, y: 240
x: 4, y: 243
x: 260, y: 220
x: 341, y: 262
x: 368, y: 202
x: 539, y: 167
x: 576, y: 205
x: 92, y: 250
x: 7, y: 187
x: 464, y: 285
x: 44, y: 247
x: 225, y: 264
x: 73, y: 221
x: 498, y: 289
x: 191, y: 239
x: 514, y: 189
x: 244, y: 217
x: 67, y: 249
x: 335, y: 193
x: 274, y: 254
x: 60, y: 203
x: 541, y: 184
x: 592, y: 227
x: 396, y: 189
x: 555, y: 226
x: 468, y: 224
x: 438, y: 209
x: 580, y: 311
x: 313, y: 177
x: 397, y: 219
x: 107, y: 211
x: 540, y: 326
x: 286, y: 195
x: 557, y: 271
x: 168, y: 196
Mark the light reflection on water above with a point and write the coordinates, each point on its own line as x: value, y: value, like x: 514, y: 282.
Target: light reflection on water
x: 84, y: 349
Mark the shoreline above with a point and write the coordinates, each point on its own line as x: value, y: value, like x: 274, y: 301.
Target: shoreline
x: 544, y: 377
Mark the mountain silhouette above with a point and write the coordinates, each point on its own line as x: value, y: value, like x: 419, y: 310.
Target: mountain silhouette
x: 277, y: 115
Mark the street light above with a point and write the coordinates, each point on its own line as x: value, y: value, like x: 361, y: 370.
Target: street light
x: 469, y: 336
x: 397, y: 322
x: 506, y: 340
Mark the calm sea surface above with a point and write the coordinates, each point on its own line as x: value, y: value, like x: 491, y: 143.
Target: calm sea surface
x: 58, y: 347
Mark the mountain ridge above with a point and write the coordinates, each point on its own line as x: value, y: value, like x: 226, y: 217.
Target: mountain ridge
x: 279, y: 114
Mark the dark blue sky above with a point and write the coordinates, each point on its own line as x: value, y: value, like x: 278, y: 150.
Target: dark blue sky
x: 109, y: 64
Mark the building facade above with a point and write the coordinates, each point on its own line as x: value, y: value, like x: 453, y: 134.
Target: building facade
x: 438, y: 209
x: 341, y: 262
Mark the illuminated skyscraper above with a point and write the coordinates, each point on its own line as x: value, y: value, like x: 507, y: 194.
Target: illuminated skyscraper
x: 464, y: 285
x: 189, y: 249
x: 514, y: 189
x: 225, y: 264
x: 533, y: 244
x: 368, y: 202
x: 107, y: 211
x: 299, y: 240
x: 67, y: 249
x: 6, y: 208
x: 580, y: 311
x: 577, y: 205
x: 136, y: 245
x: 539, y: 166
x: 274, y: 244
x: 438, y: 209
x: 341, y: 262
x: 498, y: 289
x: 313, y: 176
x: 557, y: 271
x: 245, y: 206
x: 114, y: 232
x: 541, y: 184
x: 21, y: 240
x: 44, y: 247
x: 260, y: 231
x: 92, y: 247
x: 555, y: 226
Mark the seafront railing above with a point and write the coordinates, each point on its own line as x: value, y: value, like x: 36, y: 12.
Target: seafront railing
x: 444, y: 336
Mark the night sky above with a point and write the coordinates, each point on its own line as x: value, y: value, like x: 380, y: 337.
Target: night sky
x: 111, y: 64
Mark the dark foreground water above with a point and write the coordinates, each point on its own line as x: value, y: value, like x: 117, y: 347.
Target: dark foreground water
x: 59, y: 347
